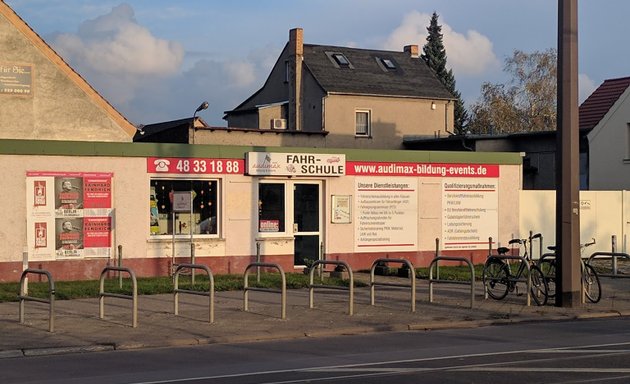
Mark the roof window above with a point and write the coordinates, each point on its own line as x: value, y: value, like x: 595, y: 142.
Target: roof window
x: 341, y: 59
x: 388, y: 63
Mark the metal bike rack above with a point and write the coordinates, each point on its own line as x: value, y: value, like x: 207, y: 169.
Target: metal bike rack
x: 527, y: 280
x: 438, y: 280
x: 282, y: 291
x: 411, y: 285
x: 210, y: 293
x: 553, y: 256
x: 350, y: 289
x: 51, y: 296
x: 612, y: 256
x: 133, y: 297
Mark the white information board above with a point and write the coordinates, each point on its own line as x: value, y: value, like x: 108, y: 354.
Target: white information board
x: 386, y: 214
x: 470, y: 213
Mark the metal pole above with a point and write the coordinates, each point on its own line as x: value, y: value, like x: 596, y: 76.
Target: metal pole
x: 120, y: 278
x: 173, y: 246
x: 258, y: 261
x: 614, y: 259
x: 192, y: 244
x: 437, y: 254
x: 567, y: 159
x: 24, y: 268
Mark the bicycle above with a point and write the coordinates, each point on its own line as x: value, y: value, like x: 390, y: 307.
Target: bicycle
x: 498, y: 278
x: 590, y: 279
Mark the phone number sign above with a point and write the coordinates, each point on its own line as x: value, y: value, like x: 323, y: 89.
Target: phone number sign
x: 195, y: 166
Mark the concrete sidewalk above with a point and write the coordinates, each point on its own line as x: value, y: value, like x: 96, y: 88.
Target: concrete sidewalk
x: 79, y: 329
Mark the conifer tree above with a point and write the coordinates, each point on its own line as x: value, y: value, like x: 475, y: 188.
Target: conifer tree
x: 434, y: 54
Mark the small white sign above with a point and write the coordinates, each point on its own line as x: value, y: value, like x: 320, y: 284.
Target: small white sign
x: 181, y: 201
x: 295, y: 164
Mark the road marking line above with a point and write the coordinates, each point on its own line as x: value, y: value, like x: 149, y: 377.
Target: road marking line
x: 537, y: 369
x: 348, y: 366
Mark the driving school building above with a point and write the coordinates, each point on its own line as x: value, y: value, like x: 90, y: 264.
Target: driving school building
x: 75, y: 207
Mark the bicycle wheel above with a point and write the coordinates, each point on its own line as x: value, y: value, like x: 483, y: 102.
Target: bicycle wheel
x: 548, y: 269
x: 592, y: 286
x: 495, y: 278
x: 539, y: 285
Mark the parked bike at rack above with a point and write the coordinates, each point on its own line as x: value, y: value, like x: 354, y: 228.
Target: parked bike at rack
x: 499, y: 278
x: 590, y: 279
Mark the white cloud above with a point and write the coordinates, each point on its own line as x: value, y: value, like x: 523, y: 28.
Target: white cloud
x: 467, y: 54
x: 586, y: 86
x: 115, y: 44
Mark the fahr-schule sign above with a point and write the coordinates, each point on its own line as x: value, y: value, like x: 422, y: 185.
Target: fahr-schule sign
x: 295, y: 164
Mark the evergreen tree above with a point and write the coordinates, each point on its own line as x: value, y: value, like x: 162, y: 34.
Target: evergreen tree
x: 434, y: 54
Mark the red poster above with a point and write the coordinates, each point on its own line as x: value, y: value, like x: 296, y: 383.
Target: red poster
x: 97, y: 232
x: 41, y: 235
x: 97, y: 192
x: 39, y: 193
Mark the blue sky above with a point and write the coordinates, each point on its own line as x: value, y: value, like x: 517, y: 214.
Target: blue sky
x: 157, y: 60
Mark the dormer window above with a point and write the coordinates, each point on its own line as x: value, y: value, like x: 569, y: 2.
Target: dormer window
x: 341, y: 59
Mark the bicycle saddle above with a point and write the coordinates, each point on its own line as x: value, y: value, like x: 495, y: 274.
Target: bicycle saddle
x: 515, y: 241
x: 503, y: 250
x: 551, y: 247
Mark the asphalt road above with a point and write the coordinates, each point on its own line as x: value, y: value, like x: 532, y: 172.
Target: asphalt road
x: 585, y: 351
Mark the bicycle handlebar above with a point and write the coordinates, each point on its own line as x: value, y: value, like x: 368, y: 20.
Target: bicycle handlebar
x: 553, y: 247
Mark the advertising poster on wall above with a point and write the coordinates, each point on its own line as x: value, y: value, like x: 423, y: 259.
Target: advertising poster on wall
x: 69, y: 214
x: 470, y: 213
x: 386, y: 214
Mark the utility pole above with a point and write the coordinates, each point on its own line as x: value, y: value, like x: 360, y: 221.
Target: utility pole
x: 568, y: 289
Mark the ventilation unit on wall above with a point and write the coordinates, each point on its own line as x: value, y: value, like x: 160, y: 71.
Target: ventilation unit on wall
x: 278, y: 123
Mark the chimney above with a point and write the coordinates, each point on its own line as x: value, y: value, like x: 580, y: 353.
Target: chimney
x: 296, y: 41
x: 294, y: 66
x: 412, y: 50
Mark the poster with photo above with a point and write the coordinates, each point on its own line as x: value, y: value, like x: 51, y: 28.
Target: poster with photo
x: 69, y: 214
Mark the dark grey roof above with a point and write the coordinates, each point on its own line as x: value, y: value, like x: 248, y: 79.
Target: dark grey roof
x: 411, y: 78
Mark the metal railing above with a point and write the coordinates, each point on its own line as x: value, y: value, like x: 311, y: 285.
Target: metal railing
x: 133, y: 297
x: 613, y: 256
x: 525, y: 277
x: 282, y: 291
x: 210, y: 293
x: 350, y: 288
x: 438, y: 280
x: 411, y: 285
x: 23, y: 296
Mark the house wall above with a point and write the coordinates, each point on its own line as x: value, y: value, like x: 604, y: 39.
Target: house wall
x: 265, y: 115
x: 609, y: 148
x: 57, y: 107
x: 392, y: 118
x: 312, y: 104
x: 235, y: 246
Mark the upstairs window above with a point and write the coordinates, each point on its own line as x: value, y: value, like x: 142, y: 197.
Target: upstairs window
x: 362, y: 123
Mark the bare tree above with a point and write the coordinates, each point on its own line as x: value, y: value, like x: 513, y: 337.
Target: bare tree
x: 527, y: 103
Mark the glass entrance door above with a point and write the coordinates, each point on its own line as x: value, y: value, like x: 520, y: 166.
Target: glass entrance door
x: 306, y: 221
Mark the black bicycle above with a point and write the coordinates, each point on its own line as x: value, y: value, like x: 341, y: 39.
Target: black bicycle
x: 499, y: 279
x: 590, y: 279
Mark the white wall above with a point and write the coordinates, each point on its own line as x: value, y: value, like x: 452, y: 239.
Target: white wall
x: 601, y: 216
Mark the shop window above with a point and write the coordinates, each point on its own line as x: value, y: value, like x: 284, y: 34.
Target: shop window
x: 271, y: 207
x: 204, y: 207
